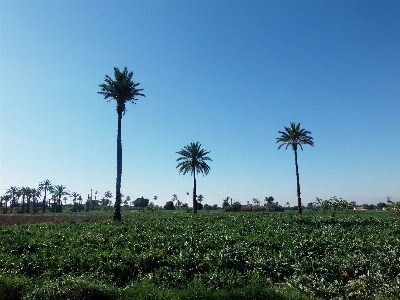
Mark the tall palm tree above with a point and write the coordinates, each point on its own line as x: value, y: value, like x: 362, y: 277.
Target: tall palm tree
x: 295, y: 136
x: 193, y: 159
x: 45, y: 186
x: 123, y: 89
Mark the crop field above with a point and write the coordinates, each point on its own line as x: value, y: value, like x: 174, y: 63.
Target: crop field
x: 205, y: 256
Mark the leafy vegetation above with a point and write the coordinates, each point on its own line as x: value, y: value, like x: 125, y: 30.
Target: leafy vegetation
x: 279, y: 256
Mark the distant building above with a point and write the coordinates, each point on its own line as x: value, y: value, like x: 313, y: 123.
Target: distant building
x: 359, y: 208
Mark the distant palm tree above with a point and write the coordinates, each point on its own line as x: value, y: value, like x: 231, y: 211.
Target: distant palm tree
x: 74, y: 195
x: 45, y: 186
x: 12, y: 191
x: 175, y: 200
x: 35, y: 194
x: 58, y: 192
x: 5, y: 198
x: 193, y: 159
x: 122, y: 90
x: 18, y: 194
x: 25, y: 191
x: 28, y: 195
x: 200, y: 199
x: 294, y: 136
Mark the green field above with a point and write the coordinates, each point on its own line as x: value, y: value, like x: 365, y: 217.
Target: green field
x: 205, y: 256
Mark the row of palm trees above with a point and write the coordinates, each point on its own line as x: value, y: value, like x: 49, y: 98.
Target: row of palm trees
x: 192, y: 158
x: 29, y: 198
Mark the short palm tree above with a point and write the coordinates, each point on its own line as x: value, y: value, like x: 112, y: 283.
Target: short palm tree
x: 122, y: 90
x: 295, y: 136
x: 193, y: 159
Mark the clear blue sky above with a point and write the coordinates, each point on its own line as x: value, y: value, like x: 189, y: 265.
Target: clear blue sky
x: 228, y: 74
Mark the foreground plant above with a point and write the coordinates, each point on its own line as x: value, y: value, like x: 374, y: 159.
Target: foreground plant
x: 123, y: 89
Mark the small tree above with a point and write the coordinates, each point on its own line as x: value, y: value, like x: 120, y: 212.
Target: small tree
x: 256, y: 201
x: 140, y: 203
x: 225, y: 202
x: 175, y: 200
x: 200, y: 199
x: 169, y: 205
x: 381, y: 205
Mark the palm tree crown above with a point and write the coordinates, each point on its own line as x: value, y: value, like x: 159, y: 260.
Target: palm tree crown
x: 193, y: 159
x: 294, y: 136
x: 122, y: 89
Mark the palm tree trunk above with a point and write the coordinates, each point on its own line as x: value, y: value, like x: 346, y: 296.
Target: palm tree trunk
x: 300, y: 209
x: 194, y: 193
x: 117, y: 208
x: 23, y: 203
x: 59, y: 204
x: 28, y: 203
x: 44, y: 202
